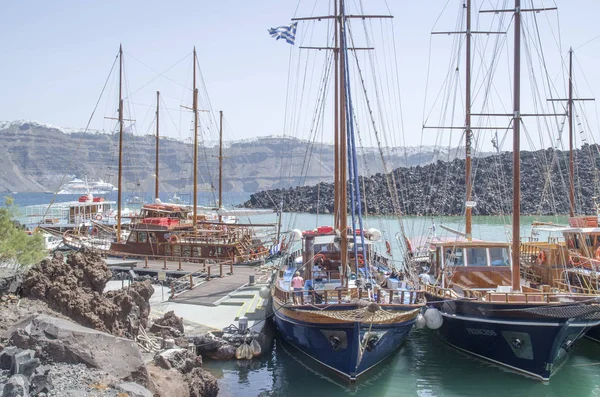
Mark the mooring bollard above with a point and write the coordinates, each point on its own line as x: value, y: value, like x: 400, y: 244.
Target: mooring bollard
x: 221, y: 269
x: 172, y: 290
x: 208, y: 277
x: 179, y: 268
x: 165, y: 264
x: 191, y: 281
x: 231, y: 268
x: 251, y: 279
x: 145, y: 262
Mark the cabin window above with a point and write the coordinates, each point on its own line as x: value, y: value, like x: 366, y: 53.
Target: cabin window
x: 476, y: 256
x: 142, y: 237
x: 454, y: 258
x: 499, y: 256
x: 132, y: 237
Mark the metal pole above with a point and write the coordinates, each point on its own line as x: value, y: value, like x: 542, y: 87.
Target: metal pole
x: 220, y: 162
x: 342, y: 148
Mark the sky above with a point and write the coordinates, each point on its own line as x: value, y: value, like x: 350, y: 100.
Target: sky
x: 57, y: 56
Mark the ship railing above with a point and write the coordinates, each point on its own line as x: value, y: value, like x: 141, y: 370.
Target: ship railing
x: 348, y: 295
x: 529, y: 296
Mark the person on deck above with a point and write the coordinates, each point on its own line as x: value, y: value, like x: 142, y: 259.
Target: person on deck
x: 297, y: 285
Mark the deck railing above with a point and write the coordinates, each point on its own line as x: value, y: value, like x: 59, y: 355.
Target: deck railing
x: 505, y: 297
x: 347, y: 295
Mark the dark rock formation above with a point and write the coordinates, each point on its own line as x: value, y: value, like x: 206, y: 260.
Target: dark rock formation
x: 439, y: 188
x: 75, y: 289
x: 10, y: 280
x: 168, y: 325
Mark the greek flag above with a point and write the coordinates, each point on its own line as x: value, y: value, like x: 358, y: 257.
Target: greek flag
x: 287, y: 32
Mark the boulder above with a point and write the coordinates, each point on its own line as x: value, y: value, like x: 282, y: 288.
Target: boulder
x: 133, y: 389
x: 63, y: 341
x: 6, y: 357
x: 168, y: 382
x: 17, y: 386
x: 182, y: 360
x: 41, y: 382
x: 168, y: 325
x: 225, y: 352
x: 10, y: 281
x: 24, y: 363
x: 202, y: 383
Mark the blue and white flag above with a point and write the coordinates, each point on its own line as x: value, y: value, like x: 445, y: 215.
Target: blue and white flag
x: 274, y: 250
x: 287, y: 32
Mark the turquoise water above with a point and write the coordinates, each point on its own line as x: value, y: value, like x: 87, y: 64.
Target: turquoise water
x: 425, y: 366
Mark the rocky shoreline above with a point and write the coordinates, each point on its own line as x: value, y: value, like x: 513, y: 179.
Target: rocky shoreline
x: 438, y: 188
x: 61, y: 334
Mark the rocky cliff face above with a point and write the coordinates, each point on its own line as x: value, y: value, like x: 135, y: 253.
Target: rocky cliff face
x: 439, y: 188
x: 36, y: 157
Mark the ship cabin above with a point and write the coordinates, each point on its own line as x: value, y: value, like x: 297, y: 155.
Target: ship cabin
x: 474, y: 265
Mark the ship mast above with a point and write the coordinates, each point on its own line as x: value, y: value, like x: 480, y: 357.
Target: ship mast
x: 120, y: 183
x: 468, y: 131
x: 157, y: 142
x: 195, y: 109
x: 220, y: 162
x: 516, y: 219
x: 342, y: 203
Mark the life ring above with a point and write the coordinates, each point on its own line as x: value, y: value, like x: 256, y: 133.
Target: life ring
x: 173, y: 239
x: 541, y: 258
x: 98, y: 217
x: 94, y: 231
x: 574, y: 260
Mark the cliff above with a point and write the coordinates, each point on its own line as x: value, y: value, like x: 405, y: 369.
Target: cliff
x: 37, y: 157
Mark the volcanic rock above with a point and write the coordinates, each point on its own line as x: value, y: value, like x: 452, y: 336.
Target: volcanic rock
x: 168, y: 326
x: 74, y: 288
x: 63, y: 341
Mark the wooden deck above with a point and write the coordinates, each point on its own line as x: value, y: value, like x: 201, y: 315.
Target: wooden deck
x: 210, y: 292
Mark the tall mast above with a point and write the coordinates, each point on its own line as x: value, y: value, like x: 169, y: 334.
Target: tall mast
x: 220, y: 161
x: 120, y: 183
x: 468, y: 131
x: 342, y: 147
x: 195, y: 108
x: 336, y: 126
x: 571, y: 165
x: 516, y: 221
x: 157, y: 138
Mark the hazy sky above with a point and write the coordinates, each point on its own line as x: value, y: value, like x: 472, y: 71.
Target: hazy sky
x: 56, y: 56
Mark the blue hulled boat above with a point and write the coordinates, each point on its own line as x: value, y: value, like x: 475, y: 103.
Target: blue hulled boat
x: 342, y: 316
x: 475, y: 287
x: 348, y: 329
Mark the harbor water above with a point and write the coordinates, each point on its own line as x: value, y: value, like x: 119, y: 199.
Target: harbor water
x: 424, y: 366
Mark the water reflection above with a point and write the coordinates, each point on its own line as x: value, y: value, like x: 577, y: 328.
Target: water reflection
x: 425, y: 366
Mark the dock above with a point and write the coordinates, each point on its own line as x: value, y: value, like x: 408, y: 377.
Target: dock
x: 205, y: 303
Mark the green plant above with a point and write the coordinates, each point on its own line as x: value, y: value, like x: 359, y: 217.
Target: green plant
x: 26, y: 248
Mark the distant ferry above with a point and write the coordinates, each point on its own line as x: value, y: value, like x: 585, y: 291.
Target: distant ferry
x: 78, y: 186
